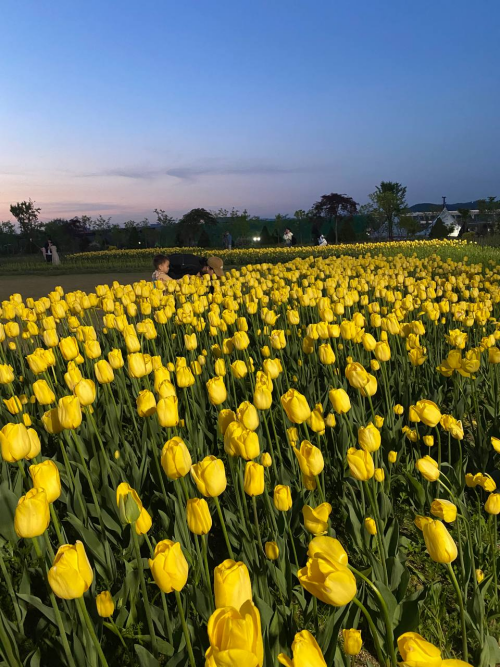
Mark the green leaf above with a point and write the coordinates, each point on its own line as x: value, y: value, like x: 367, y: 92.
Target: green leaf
x: 8, y: 503
x: 419, y: 490
x: 90, y: 539
x: 146, y: 659
x: 48, y: 612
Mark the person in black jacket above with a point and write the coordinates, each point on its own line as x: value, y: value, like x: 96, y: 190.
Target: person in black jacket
x: 184, y: 264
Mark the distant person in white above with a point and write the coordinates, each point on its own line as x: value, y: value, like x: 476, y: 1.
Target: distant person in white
x: 50, y: 253
x: 322, y: 240
x: 287, y: 237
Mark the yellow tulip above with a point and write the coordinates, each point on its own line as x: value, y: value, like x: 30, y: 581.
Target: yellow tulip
x: 247, y: 414
x: 296, y: 407
x: 198, y: 516
x: 492, y: 504
x: 340, y: 400
x: 169, y: 566
x: 13, y: 405
x: 14, y: 442
x: 69, y: 412
x: 184, y: 377
x: 235, y: 637
x: 146, y: 403
x: 326, y: 354
x: 494, y: 355
x: 444, y: 510
x: 262, y: 398
x: 71, y: 575
x: 370, y: 526
x: 6, y: 374
x: 175, y: 458
x: 428, y: 412
x: 417, y: 652
x: 115, y: 359
x: 428, y: 468
x: 360, y: 464
x: 216, y: 389
x: 85, y: 391
x: 326, y: 575
x: 439, y: 543
x: 44, y: 394
x: 479, y: 576
x: 305, y: 651
x: 369, y: 438
x: 239, y: 369
x: 69, y: 348
x: 232, y: 585
x: 428, y: 440
x: 266, y: 460
x: 139, y: 365
x: 398, y: 409
x: 46, y: 476
x: 392, y: 456
x: 167, y: 411
x: 241, y: 340
x: 92, y: 349
x: 32, y: 516
x: 379, y: 474
x: 272, y: 550
x: 209, y: 476
x: 310, y: 459
x: 254, y: 479
x: 104, y: 372
x: 282, y: 498
x: 382, y: 351
x: 224, y: 418
x: 316, y: 519
x: 495, y: 443
x: 105, y: 605
x: 352, y: 641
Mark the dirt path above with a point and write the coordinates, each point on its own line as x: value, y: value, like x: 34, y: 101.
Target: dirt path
x: 38, y: 286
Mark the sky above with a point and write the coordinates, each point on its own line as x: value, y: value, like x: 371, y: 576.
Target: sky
x: 121, y: 107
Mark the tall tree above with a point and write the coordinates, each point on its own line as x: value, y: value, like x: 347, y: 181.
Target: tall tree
x: 163, y: 218
x: 335, y: 206
x: 26, y: 214
x: 189, y: 225
x: 389, y: 202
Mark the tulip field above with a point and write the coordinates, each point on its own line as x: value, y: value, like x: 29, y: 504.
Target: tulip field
x: 296, y: 464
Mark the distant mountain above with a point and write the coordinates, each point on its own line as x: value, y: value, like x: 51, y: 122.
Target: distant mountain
x: 422, y: 208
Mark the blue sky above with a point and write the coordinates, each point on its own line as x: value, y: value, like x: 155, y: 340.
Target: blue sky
x: 119, y: 107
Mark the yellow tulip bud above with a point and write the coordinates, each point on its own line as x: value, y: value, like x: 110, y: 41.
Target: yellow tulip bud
x: 51, y: 423
x: 428, y: 468
x: 262, y: 398
x: 139, y: 365
x: 115, y: 359
x: 352, y: 641
x: 169, y: 566
x: 310, y: 459
x: 104, y: 372
x: 216, y: 389
x: 305, y: 651
x: 282, y: 498
x: 71, y: 575
x: 370, y: 526
x: 6, y: 374
x: 479, y: 576
x: 13, y: 405
x: 420, y: 521
x: 439, y: 543
x: 379, y: 474
x: 444, y: 510
x: 85, y: 391
x: 225, y: 417
x: 175, y: 458
x: 495, y: 443
x: 14, y: 442
x: 69, y: 412
x: 146, y: 403
x: 105, y: 605
x: 398, y: 409
x: 360, y: 464
x: 492, y: 504
x: 32, y: 516
x: 316, y: 519
x: 254, y: 479
x: 326, y: 354
x: 369, y: 438
x: 295, y: 406
x: 238, y: 368
x: 232, y: 585
x: 428, y: 440
x: 69, y: 348
x: 415, y: 650
x: 340, y: 400
x: 272, y: 550
x: 198, y: 516
x: 45, y: 475
x: 248, y: 416
x: 428, y: 412
x: 209, y: 476
x: 266, y: 460
x: 326, y: 575
x: 392, y: 456
x: 92, y: 349
x: 44, y: 394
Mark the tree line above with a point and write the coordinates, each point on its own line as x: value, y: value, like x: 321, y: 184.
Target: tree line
x: 335, y: 212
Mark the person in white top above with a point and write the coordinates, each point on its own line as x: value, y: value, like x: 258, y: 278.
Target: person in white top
x: 322, y: 241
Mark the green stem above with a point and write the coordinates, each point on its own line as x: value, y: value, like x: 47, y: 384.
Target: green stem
x: 493, y: 538
x: 460, y: 601
x: 57, y: 613
x: 385, y: 613
x: 8, y: 580
x: 56, y: 524
x: 90, y: 627
x: 144, y: 591
x: 293, y: 544
x: 185, y: 629
x: 373, y: 630
x: 223, y: 525
x: 256, y: 524
x: 439, y: 447
x: 204, y: 547
x: 380, y: 536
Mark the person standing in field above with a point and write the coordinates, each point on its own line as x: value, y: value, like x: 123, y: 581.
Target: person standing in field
x: 288, y: 237
x: 228, y: 240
